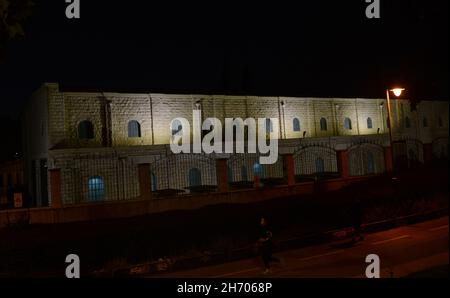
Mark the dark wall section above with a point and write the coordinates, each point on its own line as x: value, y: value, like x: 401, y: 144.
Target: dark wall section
x: 10, y: 134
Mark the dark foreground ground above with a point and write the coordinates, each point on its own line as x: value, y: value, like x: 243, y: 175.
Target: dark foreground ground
x: 40, y: 250
x: 419, y: 250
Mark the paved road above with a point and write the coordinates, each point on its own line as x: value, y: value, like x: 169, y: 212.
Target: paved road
x: 402, y: 251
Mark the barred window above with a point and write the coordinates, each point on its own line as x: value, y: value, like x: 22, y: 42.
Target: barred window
x: 257, y: 170
x: 195, y: 177
x: 96, y: 188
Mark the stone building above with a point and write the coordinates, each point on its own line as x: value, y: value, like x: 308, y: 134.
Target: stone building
x: 102, y: 146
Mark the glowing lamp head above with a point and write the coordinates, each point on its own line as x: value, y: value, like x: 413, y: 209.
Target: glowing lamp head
x: 397, y: 91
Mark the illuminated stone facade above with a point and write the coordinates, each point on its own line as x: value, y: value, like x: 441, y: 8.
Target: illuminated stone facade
x: 52, y: 137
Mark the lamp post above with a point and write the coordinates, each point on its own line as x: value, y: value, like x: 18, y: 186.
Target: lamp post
x: 397, y: 92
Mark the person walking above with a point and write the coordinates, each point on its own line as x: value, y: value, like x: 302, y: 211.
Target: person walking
x: 265, y: 244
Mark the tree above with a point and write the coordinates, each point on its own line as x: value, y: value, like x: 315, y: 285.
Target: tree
x: 13, y: 15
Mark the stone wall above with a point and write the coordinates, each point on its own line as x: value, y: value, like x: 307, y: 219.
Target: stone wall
x: 154, y: 112
x: 51, y: 132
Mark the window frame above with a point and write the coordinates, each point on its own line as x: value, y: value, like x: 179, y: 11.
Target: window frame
x: 96, y: 189
x: 296, y: 125
x: 86, y: 130
x: 134, y: 131
x: 348, y: 123
x: 323, y: 124
x: 369, y: 123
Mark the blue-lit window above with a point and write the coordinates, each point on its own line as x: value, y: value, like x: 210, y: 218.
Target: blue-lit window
x: 258, y: 170
x: 323, y: 124
x: 347, y: 123
x: 134, y: 129
x: 195, y: 177
x: 296, y: 124
x: 369, y: 123
x: 320, y: 166
x: 96, y: 189
x: 85, y: 130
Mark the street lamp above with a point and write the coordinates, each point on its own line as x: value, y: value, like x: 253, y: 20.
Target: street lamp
x: 397, y: 92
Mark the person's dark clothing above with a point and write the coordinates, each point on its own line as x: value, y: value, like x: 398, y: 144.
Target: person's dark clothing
x: 266, y: 247
x: 265, y: 233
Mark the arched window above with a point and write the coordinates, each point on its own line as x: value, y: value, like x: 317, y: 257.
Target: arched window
x: 269, y: 127
x: 440, y: 122
x: 257, y: 170
x: 407, y: 122
x: 323, y: 124
x: 153, y: 182
x: 347, y: 123
x: 320, y: 167
x: 195, y: 177
x: 296, y: 124
x: 85, y: 130
x: 134, y: 129
x: 96, y: 188
x: 176, y: 127
x: 369, y: 123
x: 244, y: 173
x: 425, y: 122
x: 370, y: 163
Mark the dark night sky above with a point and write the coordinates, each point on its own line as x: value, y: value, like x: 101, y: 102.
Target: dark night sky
x: 316, y: 48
